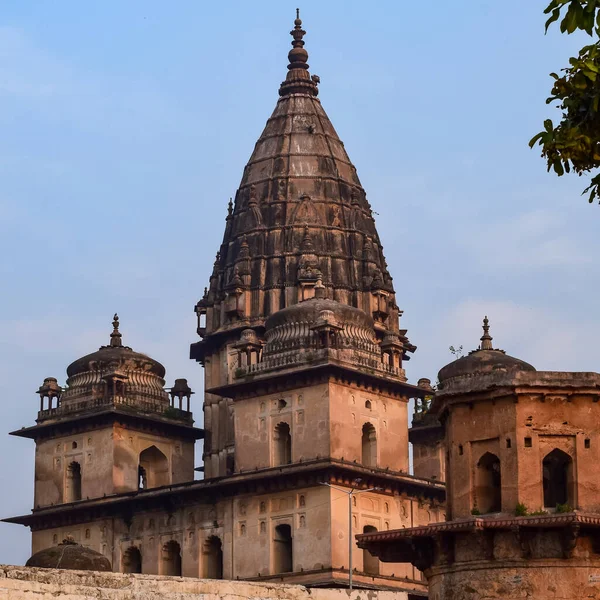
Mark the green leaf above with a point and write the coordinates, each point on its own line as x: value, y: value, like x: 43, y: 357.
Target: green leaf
x: 548, y: 126
x: 535, y: 138
x: 554, y: 17
x: 558, y: 168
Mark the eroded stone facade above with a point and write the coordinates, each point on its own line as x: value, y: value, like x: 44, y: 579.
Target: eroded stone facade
x: 522, y: 487
x: 305, y: 403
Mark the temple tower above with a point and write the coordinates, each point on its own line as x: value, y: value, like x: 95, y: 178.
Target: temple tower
x: 300, y: 217
x: 523, y: 492
x: 112, y: 429
x: 304, y: 356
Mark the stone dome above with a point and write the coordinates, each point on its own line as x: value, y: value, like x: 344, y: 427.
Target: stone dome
x: 69, y: 555
x: 309, y: 311
x: 294, y: 327
x: 485, y: 360
x: 115, y: 369
x: 115, y: 352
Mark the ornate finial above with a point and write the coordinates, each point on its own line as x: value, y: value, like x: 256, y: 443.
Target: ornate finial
x: 230, y: 208
x: 298, y: 80
x: 486, y: 338
x: 298, y: 55
x: 115, y: 336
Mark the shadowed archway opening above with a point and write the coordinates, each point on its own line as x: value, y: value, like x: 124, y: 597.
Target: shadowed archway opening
x: 73, y: 482
x: 370, y: 562
x: 132, y: 560
x: 557, y: 468
x: 213, y: 558
x: 369, y: 445
x: 488, y: 488
x: 283, y: 559
x: 153, y: 470
x: 283, y: 444
x: 171, y: 559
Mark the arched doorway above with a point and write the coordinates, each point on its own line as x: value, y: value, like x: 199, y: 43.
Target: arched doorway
x: 171, y: 559
x: 557, y: 468
x: 488, y: 484
x: 153, y: 470
x: 370, y: 562
x: 73, y: 482
x: 132, y: 560
x: 369, y: 445
x: 283, y: 559
x: 283, y: 444
x: 213, y: 558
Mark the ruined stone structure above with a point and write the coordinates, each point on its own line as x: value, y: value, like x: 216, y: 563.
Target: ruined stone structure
x: 305, y: 389
x: 522, y: 449
x: 23, y: 583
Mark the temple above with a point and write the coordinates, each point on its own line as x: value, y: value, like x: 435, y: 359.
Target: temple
x: 523, y: 509
x: 305, y: 403
x: 306, y: 422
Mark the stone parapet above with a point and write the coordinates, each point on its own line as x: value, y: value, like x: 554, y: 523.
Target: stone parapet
x: 24, y: 583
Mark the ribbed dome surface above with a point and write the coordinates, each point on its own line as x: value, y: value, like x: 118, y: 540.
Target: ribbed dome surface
x: 310, y: 310
x: 481, y: 362
x: 142, y: 376
x: 121, y: 354
x: 484, y: 361
x: 69, y: 555
x: 293, y: 328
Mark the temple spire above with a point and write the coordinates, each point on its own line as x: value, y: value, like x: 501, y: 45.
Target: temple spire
x: 486, y: 338
x: 115, y: 336
x: 298, y: 80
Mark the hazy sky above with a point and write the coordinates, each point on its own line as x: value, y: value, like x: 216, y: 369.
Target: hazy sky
x: 125, y: 127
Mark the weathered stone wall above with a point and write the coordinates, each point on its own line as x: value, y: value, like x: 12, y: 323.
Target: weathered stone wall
x: 22, y: 583
x: 514, y: 579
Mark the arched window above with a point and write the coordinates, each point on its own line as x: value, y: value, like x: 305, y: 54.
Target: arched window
x: 283, y: 444
x: 370, y: 562
x: 153, y: 468
x: 369, y: 445
x: 488, y: 484
x: 171, y: 559
x: 132, y: 560
x: 73, y: 482
x: 282, y: 549
x: 213, y: 558
x: 558, y: 478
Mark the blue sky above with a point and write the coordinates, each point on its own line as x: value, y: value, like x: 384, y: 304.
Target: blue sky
x: 124, y: 129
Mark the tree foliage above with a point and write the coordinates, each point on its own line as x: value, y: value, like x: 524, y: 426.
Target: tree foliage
x: 574, y: 143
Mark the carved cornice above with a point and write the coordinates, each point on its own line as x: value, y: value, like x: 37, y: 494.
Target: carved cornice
x: 208, y: 491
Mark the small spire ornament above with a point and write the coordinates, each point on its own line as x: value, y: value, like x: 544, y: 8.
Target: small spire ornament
x: 115, y: 336
x: 486, y: 338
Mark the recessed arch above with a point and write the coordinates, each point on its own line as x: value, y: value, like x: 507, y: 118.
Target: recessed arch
x: 283, y: 444
x: 557, y: 468
x: 488, y: 484
x: 153, y: 469
x: 283, y: 556
x: 212, y: 559
x: 370, y: 562
x: 171, y: 559
x: 369, y: 445
x: 73, y: 482
x: 132, y: 560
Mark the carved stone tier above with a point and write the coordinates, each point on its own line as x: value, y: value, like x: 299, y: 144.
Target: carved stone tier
x: 538, y: 557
